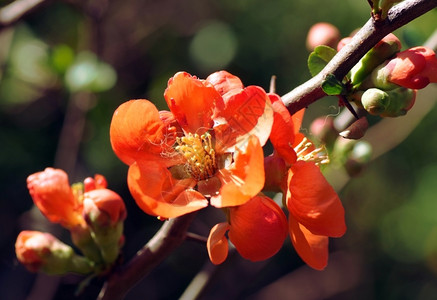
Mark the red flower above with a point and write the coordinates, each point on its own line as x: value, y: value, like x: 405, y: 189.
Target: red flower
x: 257, y: 229
x: 316, y: 212
x: 207, y: 146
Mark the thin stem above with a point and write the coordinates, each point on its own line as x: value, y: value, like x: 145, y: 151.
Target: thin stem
x: 164, y: 242
x: 349, y: 55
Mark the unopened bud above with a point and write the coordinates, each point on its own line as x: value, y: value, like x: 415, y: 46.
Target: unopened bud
x: 375, y: 101
x: 393, y: 103
x: 401, y: 101
x: 322, y: 34
x: 324, y: 130
x: 104, y: 212
x: 42, y: 252
x: 382, y: 51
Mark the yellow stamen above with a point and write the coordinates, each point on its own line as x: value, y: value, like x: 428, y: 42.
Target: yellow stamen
x: 318, y: 155
x: 199, y: 155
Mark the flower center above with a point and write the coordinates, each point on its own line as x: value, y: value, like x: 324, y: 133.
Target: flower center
x: 199, y: 155
x: 304, y: 153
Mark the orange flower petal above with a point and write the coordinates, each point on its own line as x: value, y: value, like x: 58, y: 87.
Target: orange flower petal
x: 313, y: 202
x: 217, y: 243
x: 313, y: 249
x: 192, y: 102
x: 247, y: 113
x: 137, y: 132
x: 258, y: 228
x: 158, y: 194
x: 244, y: 178
x: 52, y: 194
x: 225, y: 83
x: 282, y: 136
x: 297, y: 120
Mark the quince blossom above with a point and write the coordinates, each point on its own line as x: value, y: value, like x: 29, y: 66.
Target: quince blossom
x: 207, y: 147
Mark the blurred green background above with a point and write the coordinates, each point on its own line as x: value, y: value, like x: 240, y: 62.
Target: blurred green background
x: 67, y: 65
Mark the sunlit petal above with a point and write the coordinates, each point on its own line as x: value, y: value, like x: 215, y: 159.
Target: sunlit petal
x: 137, y: 133
x: 313, y: 201
x: 247, y: 113
x: 192, y: 101
x: 157, y: 193
x: 244, y: 178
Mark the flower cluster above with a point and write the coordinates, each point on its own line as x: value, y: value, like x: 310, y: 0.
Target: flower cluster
x: 92, y: 213
x: 385, y: 80
x: 208, y: 150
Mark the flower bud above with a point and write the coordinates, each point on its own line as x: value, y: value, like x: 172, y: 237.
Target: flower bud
x: 375, y: 101
x: 413, y: 68
x: 52, y: 194
x: 104, y: 212
x: 39, y: 251
x: 383, y: 50
x: 393, y: 103
x: 324, y: 130
x: 98, y: 182
x: 322, y: 34
x: 401, y: 101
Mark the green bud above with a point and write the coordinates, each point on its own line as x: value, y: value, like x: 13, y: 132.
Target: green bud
x: 401, y: 101
x: 392, y: 103
x: 375, y: 101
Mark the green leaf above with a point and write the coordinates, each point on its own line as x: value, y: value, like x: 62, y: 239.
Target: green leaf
x: 319, y: 58
x: 332, y: 86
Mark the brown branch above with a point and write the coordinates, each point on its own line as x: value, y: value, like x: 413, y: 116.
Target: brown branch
x: 169, y: 237
x: 349, y: 55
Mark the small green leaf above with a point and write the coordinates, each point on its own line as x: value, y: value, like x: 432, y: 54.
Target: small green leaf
x: 332, y: 86
x: 319, y: 58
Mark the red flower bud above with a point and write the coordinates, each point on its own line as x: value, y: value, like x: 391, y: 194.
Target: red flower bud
x: 413, y: 68
x: 103, y: 207
x: 39, y: 251
x: 52, y: 194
